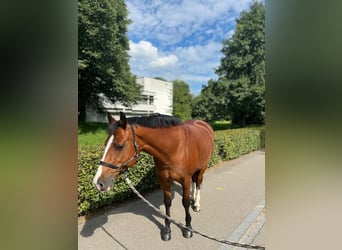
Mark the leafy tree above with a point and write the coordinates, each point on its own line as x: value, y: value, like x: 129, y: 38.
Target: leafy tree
x: 243, y: 67
x: 210, y: 105
x: 246, y: 103
x: 200, y: 106
x: 103, y: 59
x: 181, y: 100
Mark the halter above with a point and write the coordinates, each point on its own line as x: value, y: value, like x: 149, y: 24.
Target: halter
x: 122, y: 167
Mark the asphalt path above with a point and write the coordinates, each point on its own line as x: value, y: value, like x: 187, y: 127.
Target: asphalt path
x: 232, y: 208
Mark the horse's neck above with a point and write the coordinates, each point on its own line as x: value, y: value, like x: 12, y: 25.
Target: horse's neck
x: 158, y: 141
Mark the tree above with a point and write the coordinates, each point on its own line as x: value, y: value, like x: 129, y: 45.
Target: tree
x: 246, y: 103
x: 181, y: 100
x: 201, y: 105
x: 103, y: 59
x: 243, y: 67
x: 210, y: 105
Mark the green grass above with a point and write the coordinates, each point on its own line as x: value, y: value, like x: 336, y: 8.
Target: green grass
x: 221, y: 125
x: 92, y: 133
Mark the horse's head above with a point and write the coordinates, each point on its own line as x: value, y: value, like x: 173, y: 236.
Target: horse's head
x: 121, y: 152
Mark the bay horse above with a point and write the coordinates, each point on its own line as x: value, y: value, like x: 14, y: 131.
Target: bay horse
x: 181, y: 152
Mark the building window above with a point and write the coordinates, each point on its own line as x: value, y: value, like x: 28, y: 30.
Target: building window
x: 151, y: 100
x: 147, y: 99
x: 143, y: 99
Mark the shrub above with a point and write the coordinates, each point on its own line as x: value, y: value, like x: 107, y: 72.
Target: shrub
x: 143, y: 177
x: 233, y: 143
x: 229, y: 144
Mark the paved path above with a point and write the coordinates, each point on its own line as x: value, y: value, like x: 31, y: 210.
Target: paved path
x: 232, y: 208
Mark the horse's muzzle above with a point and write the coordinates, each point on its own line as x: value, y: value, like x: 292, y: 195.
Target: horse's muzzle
x: 100, y: 186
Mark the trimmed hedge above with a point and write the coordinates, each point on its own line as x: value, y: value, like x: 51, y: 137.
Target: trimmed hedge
x: 233, y: 143
x: 143, y: 177
x: 229, y: 144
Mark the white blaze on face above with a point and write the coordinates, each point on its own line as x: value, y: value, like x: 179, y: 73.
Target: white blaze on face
x: 99, y: 170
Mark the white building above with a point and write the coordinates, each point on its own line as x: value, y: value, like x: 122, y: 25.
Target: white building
x: 157, y: 98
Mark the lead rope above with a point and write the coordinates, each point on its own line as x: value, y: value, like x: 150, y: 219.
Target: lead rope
x: 129, y: 183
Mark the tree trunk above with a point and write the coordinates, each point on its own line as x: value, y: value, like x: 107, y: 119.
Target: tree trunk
x: 241, y: 120
x: 81, y: 113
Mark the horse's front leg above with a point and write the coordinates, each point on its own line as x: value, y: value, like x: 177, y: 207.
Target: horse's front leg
x: 166, y: 231
x: 186, y: 204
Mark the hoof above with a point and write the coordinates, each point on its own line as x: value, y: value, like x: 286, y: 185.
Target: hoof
x: 165, y: 234
x: 195, y: 208
x: 187, y: 233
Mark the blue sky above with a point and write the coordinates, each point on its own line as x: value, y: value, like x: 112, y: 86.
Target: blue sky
x: 180, y: 39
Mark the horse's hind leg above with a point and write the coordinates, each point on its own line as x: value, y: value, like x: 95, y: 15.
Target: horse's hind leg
x: 193, y: 187
x: 197, y: 186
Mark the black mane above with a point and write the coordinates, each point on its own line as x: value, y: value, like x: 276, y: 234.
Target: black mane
x: 152, y: 121
x: 155, y: 121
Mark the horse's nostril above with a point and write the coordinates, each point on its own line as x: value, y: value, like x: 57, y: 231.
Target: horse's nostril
x: 101, y: 184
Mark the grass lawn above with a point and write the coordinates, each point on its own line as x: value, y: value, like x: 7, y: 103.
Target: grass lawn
x: 221, y: 125
x: 92, y: 133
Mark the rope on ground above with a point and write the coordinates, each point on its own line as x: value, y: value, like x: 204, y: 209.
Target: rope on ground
x: 129, y: 183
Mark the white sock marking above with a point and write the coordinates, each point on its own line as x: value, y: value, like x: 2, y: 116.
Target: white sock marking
x: 193, y: 191
x: 197, y: 198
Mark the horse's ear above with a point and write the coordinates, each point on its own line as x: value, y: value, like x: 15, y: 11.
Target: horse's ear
x: 123, y: 120
x: 110, y: 118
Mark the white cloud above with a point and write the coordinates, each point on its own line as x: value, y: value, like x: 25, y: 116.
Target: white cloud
x: 230, y: 34
x: 180, y: 39
x: 143, y: 51
x: 166, y: 61
x: 193, y: 64
x: 200, y: 59
x: 146, y: 57
x: 170, y: 22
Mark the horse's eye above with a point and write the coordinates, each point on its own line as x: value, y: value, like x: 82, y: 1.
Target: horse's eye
x: 119, y: 147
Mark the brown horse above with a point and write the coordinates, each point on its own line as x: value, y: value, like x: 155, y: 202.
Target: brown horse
x: 181, y: 152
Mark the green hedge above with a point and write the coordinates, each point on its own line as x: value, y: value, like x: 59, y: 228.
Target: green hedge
x: 233, y: 143
x: 229, y: 144
x: 143, y: 176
